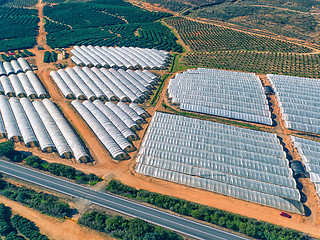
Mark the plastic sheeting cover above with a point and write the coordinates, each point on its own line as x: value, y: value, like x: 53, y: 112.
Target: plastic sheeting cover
x: 240, y: 163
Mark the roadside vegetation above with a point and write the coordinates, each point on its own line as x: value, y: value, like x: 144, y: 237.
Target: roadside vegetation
x: 109, y: 23
x: 57, y: 169
x: 122, y: 228
x: 249, y: 226
x: 114, y: 225
x: 17, y: 227
x: 18, y: 28
x: 40, y: 201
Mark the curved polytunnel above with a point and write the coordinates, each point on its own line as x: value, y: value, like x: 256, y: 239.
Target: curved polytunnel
x: 24, y: 64
x: 137, y: 85
x: 98, y: 78
x: 127, y: 83
x: 11, y: 126
x: 122, y: 87
x: 76, y: 60
x: 54, y: 132
x: 113, y: 148
x: 8, y: 68
x: 118, y: 94
x: 81, y: 84
x: 109, y: 127
x: 140, y: 79
x: 16, y: 66
x: 123, y: 116
x: 93, y: 61
x: 29, y: 138
x: 62, y: 85
x: 7, y: 87
x: 2, y: 70
x: 94, y: 56
x: 100, y: 52
x: 70, y: 136
x: 116, y: 121
x: 90, y: 83
x: 132, y: 114
x: 36, y: 84
x: 17, y: 86
x: 45, y: 142
x: 145, y: 77
x: 31, y: 93
x: 83, y: 59
x: 139, y: 110
x: 71, y: 84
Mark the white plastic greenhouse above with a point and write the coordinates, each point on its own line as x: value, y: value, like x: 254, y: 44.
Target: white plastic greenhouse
x: 112, y: 125
x: 24, y: 64
x: 108, y: 142
x: 310, y: 154
x: 241, y: 163
x: 40, y: 123
x: 120, y: 57
x: 222, y: 93
x: 298, y: 100
x: 85, y: 83
x: 24, y: 125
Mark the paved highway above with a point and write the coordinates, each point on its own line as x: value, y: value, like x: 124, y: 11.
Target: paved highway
x: 153, y: 215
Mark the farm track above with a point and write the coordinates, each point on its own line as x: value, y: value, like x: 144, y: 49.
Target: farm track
x: 124, y: 171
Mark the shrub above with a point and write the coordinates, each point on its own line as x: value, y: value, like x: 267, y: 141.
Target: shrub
x: 122, y: 228
x: 27, y: 228
x: 6, y: 148
x: 45, y: 203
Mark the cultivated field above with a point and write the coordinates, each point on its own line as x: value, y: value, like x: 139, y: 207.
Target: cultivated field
x: 107, y: 23
x: 18, y: 28
x: 18, y: 3
x: 203, y: 37
x: 258, y: 62
x: 213, y: 46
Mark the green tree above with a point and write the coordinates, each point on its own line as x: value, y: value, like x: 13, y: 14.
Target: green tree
x: 139, y: 227
x: 6, y: 148
x: 115, y: 223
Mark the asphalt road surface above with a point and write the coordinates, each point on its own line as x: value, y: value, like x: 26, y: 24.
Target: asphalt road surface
x: 153, y: 215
